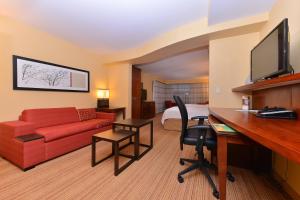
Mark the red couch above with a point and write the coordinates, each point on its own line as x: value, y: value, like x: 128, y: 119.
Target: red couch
x: 62, y: 129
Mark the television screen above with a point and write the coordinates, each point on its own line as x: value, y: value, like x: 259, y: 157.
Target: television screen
x: 270, y: 57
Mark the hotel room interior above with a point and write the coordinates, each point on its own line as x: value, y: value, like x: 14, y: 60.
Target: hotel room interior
x: 149, y: 99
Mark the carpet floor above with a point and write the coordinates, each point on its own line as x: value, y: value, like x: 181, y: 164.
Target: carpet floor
x: 153, y: 177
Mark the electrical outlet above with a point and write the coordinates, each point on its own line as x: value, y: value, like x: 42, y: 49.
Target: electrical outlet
x: 218, y: 90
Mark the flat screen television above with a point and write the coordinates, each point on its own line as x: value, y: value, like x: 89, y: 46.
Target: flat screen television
x: 270, y: 58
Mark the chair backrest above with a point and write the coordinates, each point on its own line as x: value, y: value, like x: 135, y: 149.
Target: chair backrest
x: 184, y: 115
x: 183, y: 112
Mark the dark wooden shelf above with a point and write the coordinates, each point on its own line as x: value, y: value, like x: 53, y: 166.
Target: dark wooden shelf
x: 276, y: 82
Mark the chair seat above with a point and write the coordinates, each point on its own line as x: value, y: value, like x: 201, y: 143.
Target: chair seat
x: 192, y: 136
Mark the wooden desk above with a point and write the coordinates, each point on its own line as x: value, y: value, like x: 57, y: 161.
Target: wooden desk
x: 113, y: 110
x: 281, y: 136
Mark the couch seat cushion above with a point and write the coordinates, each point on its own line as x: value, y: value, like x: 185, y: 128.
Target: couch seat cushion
x: 60, y: 131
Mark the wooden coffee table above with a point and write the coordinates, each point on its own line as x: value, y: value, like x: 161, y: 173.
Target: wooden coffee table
x: 115, y: 137
x: 137, y: 124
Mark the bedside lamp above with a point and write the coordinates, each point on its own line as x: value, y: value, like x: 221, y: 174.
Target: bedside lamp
x: 103, y: 98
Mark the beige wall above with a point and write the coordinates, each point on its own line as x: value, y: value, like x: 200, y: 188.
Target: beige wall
x: 288, y: 170
x: 119, y: 83
x: 20, y: 39
x: 147, y: 80
x: 229, y: 67
x: 287, y: 9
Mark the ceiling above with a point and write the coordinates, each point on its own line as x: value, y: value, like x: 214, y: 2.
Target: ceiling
x: 108, y: 26
x: 224, y: 10
x: 189, y: 65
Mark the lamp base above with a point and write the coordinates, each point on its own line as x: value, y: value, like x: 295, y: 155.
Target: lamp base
x: 103, y: 103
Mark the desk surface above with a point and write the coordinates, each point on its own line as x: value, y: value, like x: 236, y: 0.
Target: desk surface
x: 281, y: 136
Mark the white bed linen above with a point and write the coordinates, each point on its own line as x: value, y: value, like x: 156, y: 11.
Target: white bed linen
x: 192, y: 109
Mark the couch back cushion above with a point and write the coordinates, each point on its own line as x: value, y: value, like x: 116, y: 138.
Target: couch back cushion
x: 87, y: 114
x: 50, y: 116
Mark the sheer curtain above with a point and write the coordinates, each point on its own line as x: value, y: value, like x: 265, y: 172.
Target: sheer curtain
x: 190, y: 93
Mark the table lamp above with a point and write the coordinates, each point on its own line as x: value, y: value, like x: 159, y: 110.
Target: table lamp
x: 103, y: 98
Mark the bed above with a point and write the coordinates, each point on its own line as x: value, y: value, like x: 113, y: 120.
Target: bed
x: 171, y: 119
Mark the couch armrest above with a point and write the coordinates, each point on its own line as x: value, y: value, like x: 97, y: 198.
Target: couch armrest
x: 16, y: 128
x: 104, y: 115
x: 29, y: 137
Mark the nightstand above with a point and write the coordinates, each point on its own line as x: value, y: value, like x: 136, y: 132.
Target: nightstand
x: 113, y: 110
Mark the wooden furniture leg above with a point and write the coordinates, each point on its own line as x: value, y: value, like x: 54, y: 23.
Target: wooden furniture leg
x: 124, y: 113
x: 137, y: 144
x: 151, y: 134
x: 116, y: 153
x: 222, y: 165
x: 94, y: 140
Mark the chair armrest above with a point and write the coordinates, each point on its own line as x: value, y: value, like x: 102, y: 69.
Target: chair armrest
x: 16, y: 128
x: 199, y: 117
x: 104, y: 115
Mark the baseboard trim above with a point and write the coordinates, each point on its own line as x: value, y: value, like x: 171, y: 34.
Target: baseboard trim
x: 286, y: 187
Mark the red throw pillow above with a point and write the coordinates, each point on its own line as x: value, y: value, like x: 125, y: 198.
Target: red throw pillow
x: 87, y: 114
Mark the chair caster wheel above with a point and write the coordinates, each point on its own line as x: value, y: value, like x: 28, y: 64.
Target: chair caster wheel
x: 216, y: 194
x: 181, y: 162
x: 180, y: 179
x: 230, y: 177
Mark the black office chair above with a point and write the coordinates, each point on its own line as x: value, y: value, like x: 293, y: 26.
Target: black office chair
x: 198, y: 136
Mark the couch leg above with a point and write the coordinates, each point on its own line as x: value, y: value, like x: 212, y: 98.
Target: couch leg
x: 28, y: 168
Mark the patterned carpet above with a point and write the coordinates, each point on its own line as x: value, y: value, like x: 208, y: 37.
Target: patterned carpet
x: 153, y: 177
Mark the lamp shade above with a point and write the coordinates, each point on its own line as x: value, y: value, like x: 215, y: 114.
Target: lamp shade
x: 103, y: 93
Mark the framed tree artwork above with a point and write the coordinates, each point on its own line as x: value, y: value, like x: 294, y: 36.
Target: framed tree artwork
x: 30, y: 74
